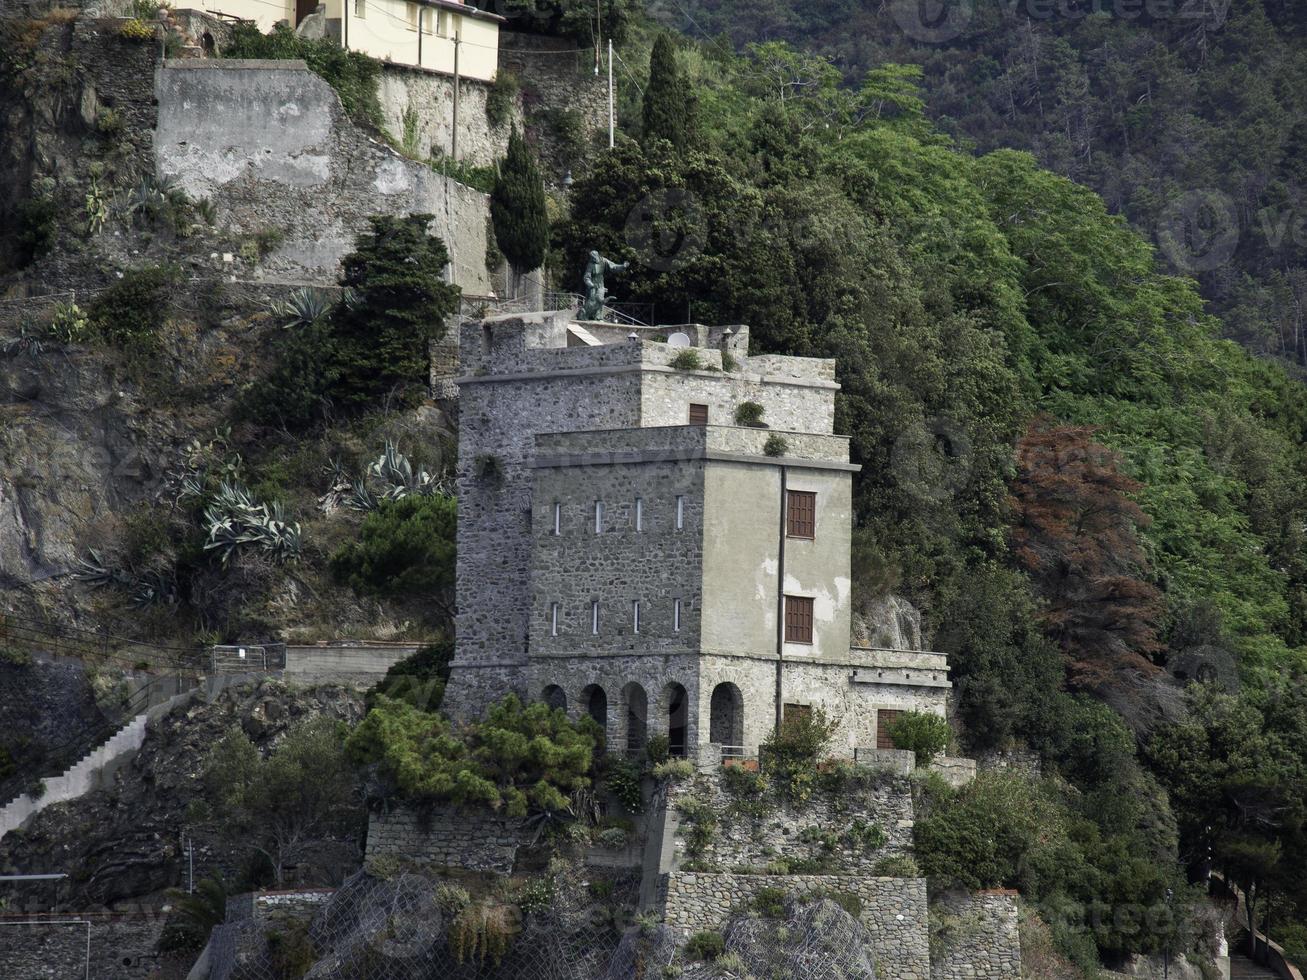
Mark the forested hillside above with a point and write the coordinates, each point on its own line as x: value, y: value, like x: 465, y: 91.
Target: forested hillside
x: 1094, y: 498
x: 1187, y: 117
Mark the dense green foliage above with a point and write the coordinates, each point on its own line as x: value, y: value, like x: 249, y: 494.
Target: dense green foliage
x: 405, y: 549
x: 923, y: 734
x: 517, y: 207
x: 517, y: 758
x: 669, y: 106
x: 131, y: 312
x: 792, y: 752
x: 1188, y: 118
x: 37, y: 227
x: 281, y: 803
x: 419, y: 678
x: 584, y: 20
x: 353, y: 75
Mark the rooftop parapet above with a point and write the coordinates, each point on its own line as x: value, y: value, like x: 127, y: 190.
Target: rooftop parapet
x: 548, y: 343
x: 686, y: 442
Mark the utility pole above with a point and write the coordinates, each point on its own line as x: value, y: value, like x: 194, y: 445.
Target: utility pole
x: 453, y: 139
x: 610, y: 93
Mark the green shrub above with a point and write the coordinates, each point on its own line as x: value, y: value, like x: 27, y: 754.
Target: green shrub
x: 405, y: 549
x: 291, y: 950
x: 791, y: 753
x: 294, y: 394
x: 686, y: 360
x: 848, y: 901
x: 898, y: 866
x: 132, y: 311
x: 518, y: 757
x: 769, y: 902
x: 478, y: 178
x: 70, y: 325
x: 354, y: 76
x: 775, y: 446
x: 673, y: 770
x: 705, y: 946
x: 748, y: 413
x: 481, y: 933
x: 923, y: 734
x: 419, y: 678
x: 742, y: 782
x: 37, y: 223
x: 699, y: 821
x: 500, y: 98
x: 622, y: 778
x: 657, y: 748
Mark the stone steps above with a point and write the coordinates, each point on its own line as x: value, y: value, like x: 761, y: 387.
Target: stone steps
x: 1242, y: 968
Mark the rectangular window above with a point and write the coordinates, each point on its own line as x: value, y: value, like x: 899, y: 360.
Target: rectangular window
x: 553, y: 619
x: 594, y: 617
x: 796, y: 712
x: 698, y: 414
x: 599, y: 517
x: 676, y: 615
x: 800, y: 514
x: 680, y: 512
x: 798, y: 619
x: 635, y: 616
x: 360, y: 8
x: 885, y: 718
x: 558, y: 518
x: 411, y: 12
x: 639, y: 514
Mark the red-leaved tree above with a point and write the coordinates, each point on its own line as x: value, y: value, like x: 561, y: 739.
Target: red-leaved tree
x: 1075, y: 530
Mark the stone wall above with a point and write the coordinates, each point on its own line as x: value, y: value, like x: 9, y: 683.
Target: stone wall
x: 447, y: 837
x: 269, y: 143
x: 976, y: 937
x: 301, y: 904
x: 742, y: 841
x: 893, y: 910
x: 430, y: 97
x: 122, y: 947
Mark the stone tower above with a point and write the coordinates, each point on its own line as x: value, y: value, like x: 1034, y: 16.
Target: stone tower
x: 633, y: 545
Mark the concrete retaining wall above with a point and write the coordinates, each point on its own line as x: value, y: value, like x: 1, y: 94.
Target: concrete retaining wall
x: 57, y: 947
x: 269, y: 143
x: 893, y: 910
x: 364, y: 664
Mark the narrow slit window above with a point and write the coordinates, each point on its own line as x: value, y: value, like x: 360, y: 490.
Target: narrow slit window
x: 639, y: 514
x: 594, y: 617
x: 553, y: 619
x: 360, y: 9
x: 680, y: 512
x: 676, y: 615
x: 599, y: 517
x: 798, y: 619
x: 635, y: 616
x: 558, y: 518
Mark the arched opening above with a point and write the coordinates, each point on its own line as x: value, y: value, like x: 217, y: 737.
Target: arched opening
x: 678, y: 714
x: 637, y: 718
x: 726, y: 716
x: 554, y: 697
x: 595, y: 702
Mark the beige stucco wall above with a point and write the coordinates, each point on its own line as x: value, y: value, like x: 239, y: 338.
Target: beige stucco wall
x: 385, y: 30
x: 742, y: 528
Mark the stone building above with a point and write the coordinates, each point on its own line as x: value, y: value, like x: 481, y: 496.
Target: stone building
x: 658, y: 536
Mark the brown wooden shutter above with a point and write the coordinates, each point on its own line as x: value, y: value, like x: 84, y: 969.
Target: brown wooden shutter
x: 800, y: 514
x: 698, y: 414
x: 885, y: 717
x: 798, y: 619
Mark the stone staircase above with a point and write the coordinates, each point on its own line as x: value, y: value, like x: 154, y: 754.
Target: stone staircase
x: 91, y: 771
x: 1242, y: 968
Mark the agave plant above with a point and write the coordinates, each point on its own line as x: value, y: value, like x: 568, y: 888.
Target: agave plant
x: 303, y: 307
x: 235, y: 521
x: 154, y: 588
x: 338, y: 489
x: 93, y: 570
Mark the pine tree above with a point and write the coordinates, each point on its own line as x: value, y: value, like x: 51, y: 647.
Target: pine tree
x: 670, y: 108
x: 517, y: 208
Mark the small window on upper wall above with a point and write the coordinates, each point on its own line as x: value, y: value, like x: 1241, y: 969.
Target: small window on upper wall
x: 698, y: 414
x: 639, y: 513
x: 676, y: 615
x: 800, y: 514
x: 798, y: 619
x: 680, y: 512
x: 599, y: 517
x: 553, y: 619
x: 558, y: 518
x: 594, y: 617
x: 411, y: 11
x: 360, y: 9
x: 635, y: 616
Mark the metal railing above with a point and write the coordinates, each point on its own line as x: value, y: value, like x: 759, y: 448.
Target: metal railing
x: 240, y: 658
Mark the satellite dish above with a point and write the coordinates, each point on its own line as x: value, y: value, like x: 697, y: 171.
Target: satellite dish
x: 678, y: 340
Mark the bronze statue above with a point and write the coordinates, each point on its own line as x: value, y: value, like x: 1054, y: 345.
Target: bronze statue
x: 595, y: 294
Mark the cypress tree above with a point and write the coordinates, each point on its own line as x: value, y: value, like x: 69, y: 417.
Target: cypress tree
x: 669, y: 106
x: 517, y: 207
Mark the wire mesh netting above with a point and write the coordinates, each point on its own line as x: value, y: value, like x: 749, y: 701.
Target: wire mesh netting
x: 404, y: 928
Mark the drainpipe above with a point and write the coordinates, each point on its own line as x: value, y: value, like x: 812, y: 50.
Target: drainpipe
x: 780, y: 602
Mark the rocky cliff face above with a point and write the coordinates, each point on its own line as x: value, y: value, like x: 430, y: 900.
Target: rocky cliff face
x: 127, y: 844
